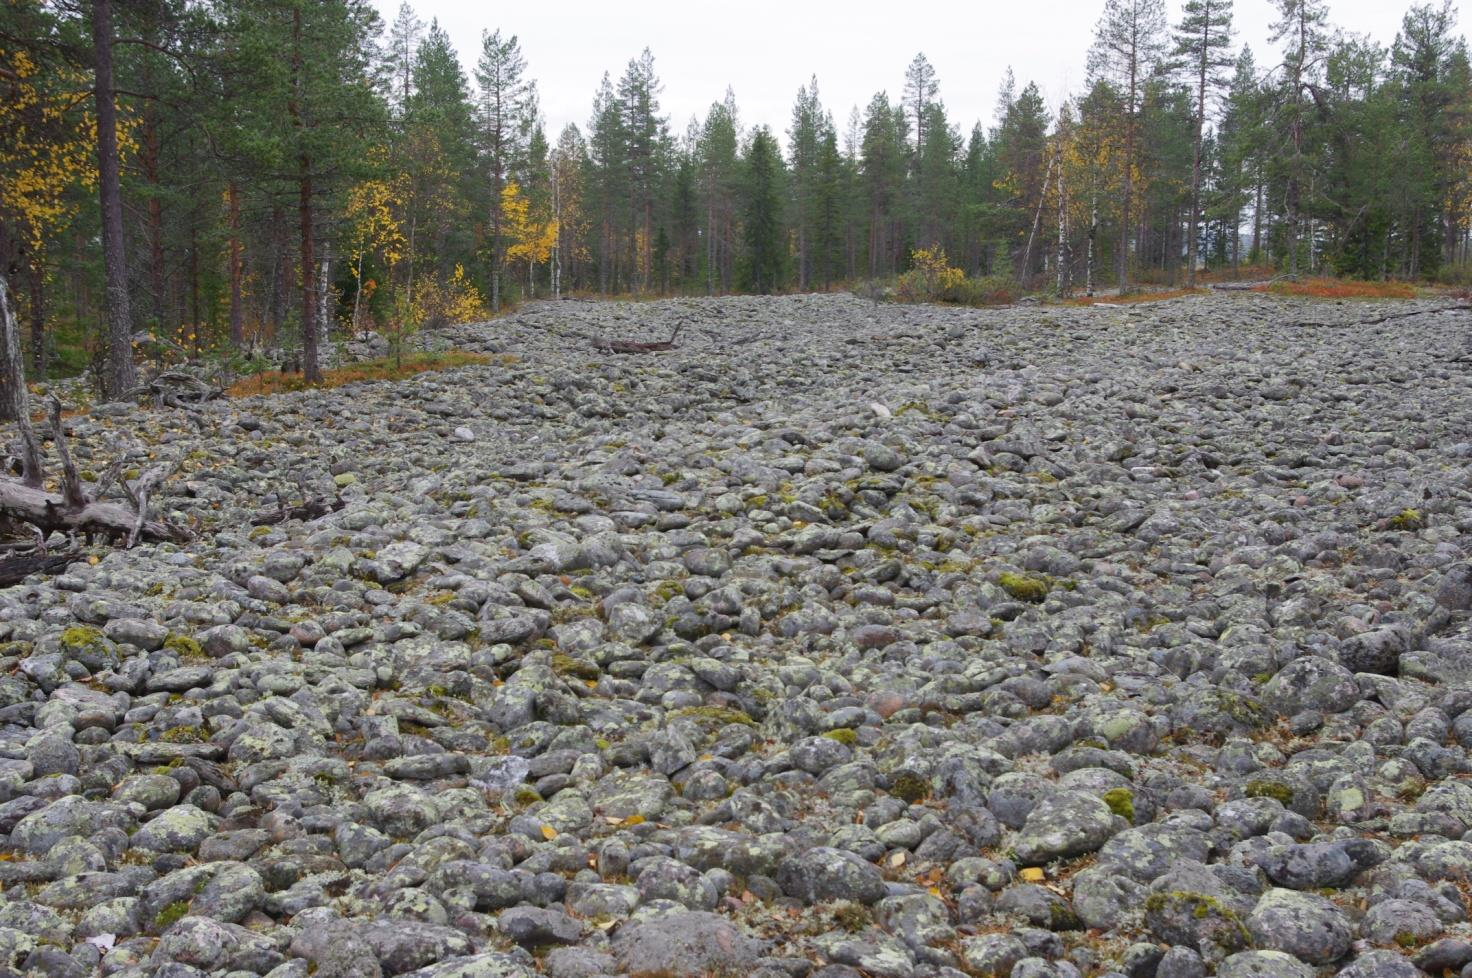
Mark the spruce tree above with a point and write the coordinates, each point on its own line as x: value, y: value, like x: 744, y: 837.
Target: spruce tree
x: 762, y: 213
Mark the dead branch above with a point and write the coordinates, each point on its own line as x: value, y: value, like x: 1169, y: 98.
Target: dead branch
x: 140, y: 489
x: 311, y: 508
x: 629, y: 346
x: 177, y: 389
x: 49, y: 513
x: 75, y: 512
x: 1388, y: 317
x: 71, y: 483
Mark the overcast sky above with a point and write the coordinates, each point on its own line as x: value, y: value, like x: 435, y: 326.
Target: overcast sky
x: 764, y: 50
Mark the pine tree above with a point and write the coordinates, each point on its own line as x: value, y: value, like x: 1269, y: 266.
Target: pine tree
x: 1302, y: 26
x: 719, y: 177
x: 404, y: 38
x: 504, y: 105
x: 829, y: 208
x: 1203, y: 39
x: 310, y: 116
x: 882, y: 166
x: 119, y: 374
x: 1128, y: 43
x: 647, y: 138
x: 608, y: 179
x: 1430, y: 62
x: 921, y: 89
x: 803, y: 140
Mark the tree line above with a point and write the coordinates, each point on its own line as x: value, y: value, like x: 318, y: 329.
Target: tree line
x: 229, y: 175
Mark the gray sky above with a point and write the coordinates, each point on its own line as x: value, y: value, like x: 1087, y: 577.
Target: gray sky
x: 764, y: 50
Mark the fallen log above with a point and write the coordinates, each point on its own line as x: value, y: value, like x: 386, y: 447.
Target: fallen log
x: 50, y: 513
x: 1389, y: 317
x: 630, y: 346
x: 13, y: 570
x: 177, y: 389
x: 310, y: 510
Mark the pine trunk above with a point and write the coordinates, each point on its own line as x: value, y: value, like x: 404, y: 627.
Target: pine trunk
x: 1123, y: 260
x: 38, y: 320
x: 14, y: 398
x: 119, y: 375
x: 237, y: 311
x: 311, y: 370
x: 149, y: 158
x: 1196, y: 158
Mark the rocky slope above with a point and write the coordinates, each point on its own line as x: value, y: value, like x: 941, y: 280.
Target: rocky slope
x: 845, y: 639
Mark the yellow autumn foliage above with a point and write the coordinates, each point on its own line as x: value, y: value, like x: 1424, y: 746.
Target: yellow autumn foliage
x: 447, y: 302
x: 931, y: 277
x: 532, y: 236
x: 47, y: 135
x: 374, y: 223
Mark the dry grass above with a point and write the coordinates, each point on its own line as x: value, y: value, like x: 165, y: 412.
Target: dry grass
x: 1244, y: 273
x: 1336, y: 288
x: 275, y: 382
x: 1132, y: 298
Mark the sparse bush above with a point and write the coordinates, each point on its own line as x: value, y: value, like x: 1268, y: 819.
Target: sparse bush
x: 932, y: 278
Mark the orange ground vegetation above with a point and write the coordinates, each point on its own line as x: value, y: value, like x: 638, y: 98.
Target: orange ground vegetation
x: 275, y: 382
x: 1335, y: 288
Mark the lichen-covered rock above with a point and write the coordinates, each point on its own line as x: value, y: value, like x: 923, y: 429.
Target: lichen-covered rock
x: 1064, y: 824
x: 862, y: 625
x: 684, y: 943
x: 822, y: 874
x: 1304, y: 925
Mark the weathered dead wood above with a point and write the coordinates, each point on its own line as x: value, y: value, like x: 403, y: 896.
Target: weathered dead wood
x: 311, y: 509
x: 71, y: 482
x: 629, y: 346
x: 73, y: 511
x: 138, y: 492
x: 49, y: 513
x: 1389, y: 317
x: 177, y: 389
x: 13, y: 570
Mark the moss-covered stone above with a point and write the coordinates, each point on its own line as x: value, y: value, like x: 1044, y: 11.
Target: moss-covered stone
x: 910, y: 788
x: 1121, y: 801
x: 718, y: 715
x: 1407, y: 519
x: 843, y: 735
x: 170, y: 915
x: 566, y: 665
x: 184, y: 647
x: 1024, y: 587
x: 1264, y: 788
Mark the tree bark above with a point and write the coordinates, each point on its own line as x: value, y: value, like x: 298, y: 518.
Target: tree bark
x: 1196, y: 158
x: 148, y: 156
x: 119, y: 373
x: 237, y: 311
x: 1123, y: 261
x: 38, y: 319
x: 14, y: 398
x: 311, y: 370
